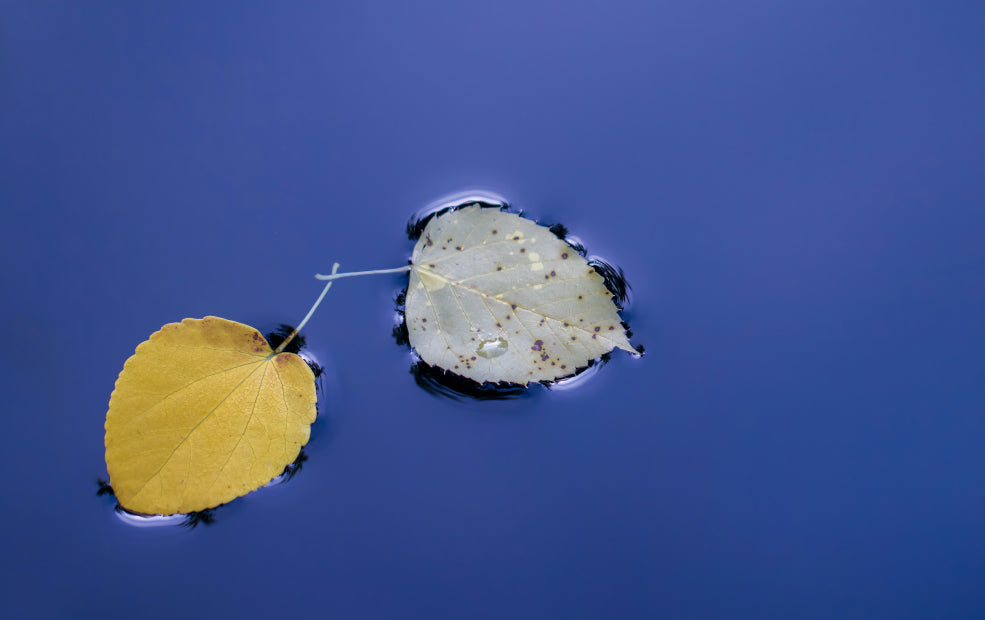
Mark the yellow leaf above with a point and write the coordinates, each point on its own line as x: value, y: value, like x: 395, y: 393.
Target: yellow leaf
x: 203, y: 413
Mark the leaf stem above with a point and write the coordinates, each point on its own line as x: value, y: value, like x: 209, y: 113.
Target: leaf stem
x: 304, y: 321
x: 336, y: 276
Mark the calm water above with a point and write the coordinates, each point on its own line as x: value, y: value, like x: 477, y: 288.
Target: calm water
x: 794, y: 193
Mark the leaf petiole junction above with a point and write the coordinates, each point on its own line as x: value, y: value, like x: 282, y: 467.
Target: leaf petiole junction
x: 329, y: 279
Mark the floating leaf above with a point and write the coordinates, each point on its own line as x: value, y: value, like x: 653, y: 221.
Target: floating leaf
x: 203, y: 413
x: 496, y: 297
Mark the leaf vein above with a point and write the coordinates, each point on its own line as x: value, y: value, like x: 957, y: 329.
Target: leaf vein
x: 190, y: 432
x: 437, y: 319
x: 140, y: 415
x: 246, y: 427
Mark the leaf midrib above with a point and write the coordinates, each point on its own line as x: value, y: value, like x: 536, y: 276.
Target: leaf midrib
x: 459, y: 286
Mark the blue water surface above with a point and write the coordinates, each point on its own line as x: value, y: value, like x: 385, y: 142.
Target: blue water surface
x: 794, y: 190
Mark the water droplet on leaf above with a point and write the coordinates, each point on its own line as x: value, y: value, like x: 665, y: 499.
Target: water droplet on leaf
x: 492, y: 348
